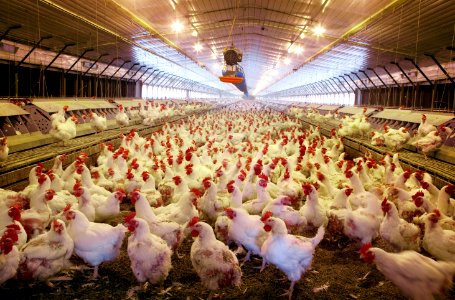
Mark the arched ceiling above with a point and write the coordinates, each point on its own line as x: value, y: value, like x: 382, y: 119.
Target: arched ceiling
x: 358, y: 34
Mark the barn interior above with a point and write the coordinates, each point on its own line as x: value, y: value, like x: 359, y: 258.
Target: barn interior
x: 363, y: 72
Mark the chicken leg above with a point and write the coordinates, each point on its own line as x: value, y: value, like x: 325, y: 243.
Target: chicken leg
x: 246, y: 258
x: 289, y: 292
x: 264, y: 264
x: 95, y: 273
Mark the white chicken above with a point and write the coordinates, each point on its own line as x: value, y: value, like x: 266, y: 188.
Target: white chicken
x: 211, y: 204
x: 47, y: 254
x: 9, y: 219
x: 395, y: 139
x: 95, y: 243
x: 9, y: 255
x: 445, y: 202
x: 377, y: 138
x: 149, y: 254
x: 255, y: 206
x: 99, y: 123
x: 64, y: 131
x: 37, y: 218
x: 181, y: 211
x: 281, y: 208
x: 396, y: 231
x: 429, y: 143
x: 438, y: 242
x: 246, y: 230
x: 121, y: 117
x: 149, y: 190
x: 312, y: 210
x: 291, y: 254
x: 216, y: 265
x: 424, y: 128
x: 417, y: 276
x: 168, y: 230
x: 4, y: 150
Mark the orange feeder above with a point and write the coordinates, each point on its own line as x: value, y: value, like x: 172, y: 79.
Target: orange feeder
x: 231, y: 79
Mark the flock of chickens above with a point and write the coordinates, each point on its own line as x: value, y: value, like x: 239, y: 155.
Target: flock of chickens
x: 426, y: 138
x: 243, y: 176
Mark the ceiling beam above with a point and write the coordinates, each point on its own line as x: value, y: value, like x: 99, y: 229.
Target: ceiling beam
x: 127, y: 40
x: 246, y: 22
x: 203, y: 13
x: 353, y: 30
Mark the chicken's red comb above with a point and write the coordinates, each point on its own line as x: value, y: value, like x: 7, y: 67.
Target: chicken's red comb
x: 263, y: 176
x: 129, y: 217
x: 348, y: 174
x: 17, y: 206
x: 365, y: 247
x: 40, y: 164
x: 321, y: 176
x: 42, y: 178
x: 196, y: 192
x: 193, y: 221
x: 13, y: 226
x: 424, y: 184
x: 307, y: 188
x: 266, y: 216
x: 77, y: 185
x: 418, y: 194
x: 437, y: 212
x: 230, y: 183
x: 55, y: 222
x: 120, y: 190
x: 67, y: 207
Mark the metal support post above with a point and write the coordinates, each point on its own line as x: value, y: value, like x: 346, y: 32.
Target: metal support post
x: 12, y: 27
x: 58, y: 54
x: 352, y: 89
x: 143, y: 66
x: 77, y: 60
x: 125, y: 62
x: 132, y: 66
x: 144, y: 73
x: 94, y: 63
x: 108, y: 65
x: 153, y: 78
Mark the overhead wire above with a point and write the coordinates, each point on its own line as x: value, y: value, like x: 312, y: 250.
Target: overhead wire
x: 233, y: 22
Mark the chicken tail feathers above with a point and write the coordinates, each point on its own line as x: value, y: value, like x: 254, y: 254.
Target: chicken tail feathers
x: 318, y: 237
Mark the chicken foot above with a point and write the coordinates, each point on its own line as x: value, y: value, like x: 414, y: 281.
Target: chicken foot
x: 289, y: 292
x: 246, y: 258
x: 239, y: 250
x: 264, y: 264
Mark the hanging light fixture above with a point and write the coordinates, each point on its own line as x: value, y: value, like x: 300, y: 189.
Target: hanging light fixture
x: 318, y: 30
x: 298, y: 50
x: 177, y: 26
x: 197, y: 47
